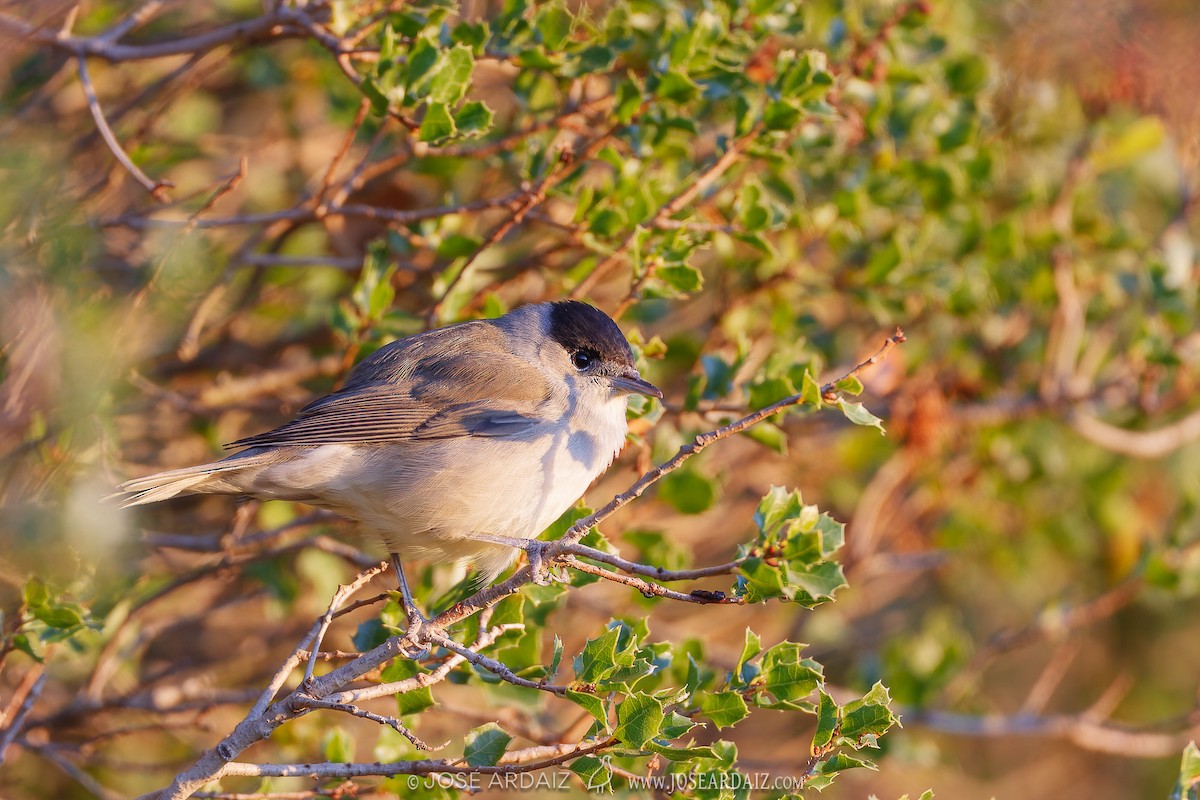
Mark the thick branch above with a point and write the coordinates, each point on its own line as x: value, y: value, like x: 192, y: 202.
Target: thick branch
x: 1080, y: 730
x: 427, y: 767
x: 277, y: 24
x: 1137, y: 444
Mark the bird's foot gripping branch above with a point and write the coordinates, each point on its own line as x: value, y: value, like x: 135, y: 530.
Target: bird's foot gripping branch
x: 633, y: 710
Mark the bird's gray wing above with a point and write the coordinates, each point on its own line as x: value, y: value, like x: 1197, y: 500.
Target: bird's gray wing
x: 457, y: 381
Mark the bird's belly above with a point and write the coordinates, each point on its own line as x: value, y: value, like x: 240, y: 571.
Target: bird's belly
x: 498, y: 486
x: 431, y: 499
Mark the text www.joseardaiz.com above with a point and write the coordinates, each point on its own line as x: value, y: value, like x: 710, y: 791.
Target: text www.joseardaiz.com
x: 545, y: 780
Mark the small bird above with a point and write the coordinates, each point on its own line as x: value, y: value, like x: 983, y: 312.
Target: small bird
x: 454, y: 445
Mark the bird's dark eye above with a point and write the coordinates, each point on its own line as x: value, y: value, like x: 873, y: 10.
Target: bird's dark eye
x: 582, y: 359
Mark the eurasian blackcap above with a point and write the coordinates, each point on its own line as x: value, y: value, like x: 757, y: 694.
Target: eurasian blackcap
x: 458, y: 444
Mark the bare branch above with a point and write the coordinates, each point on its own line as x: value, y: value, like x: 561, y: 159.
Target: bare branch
x: 698, y: 596
x: 493, y: 666
x: 440, y: 767
x: 22, y: 702
x: 1149, y: 444
x: 392, y: 722
x: 313, y: 642
x: 424, y: 679
x: 659, y: 573
x: 276, y: 24
x: 1080, y: 730
x: 157, y: 189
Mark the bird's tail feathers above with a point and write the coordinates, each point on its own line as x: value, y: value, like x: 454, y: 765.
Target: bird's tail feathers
x: 211, y: 477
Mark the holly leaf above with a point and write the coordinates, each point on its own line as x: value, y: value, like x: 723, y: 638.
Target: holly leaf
x: 725, y: 709
x: 639, y: 719
x: 485, y: 745
x: 859, y: 415
x: 438, y: 125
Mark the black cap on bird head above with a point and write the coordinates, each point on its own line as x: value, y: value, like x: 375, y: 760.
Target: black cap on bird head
x: 579, y: 326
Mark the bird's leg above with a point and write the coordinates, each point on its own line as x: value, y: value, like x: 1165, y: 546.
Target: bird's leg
x: 412, y: 614
x: 535, y: 551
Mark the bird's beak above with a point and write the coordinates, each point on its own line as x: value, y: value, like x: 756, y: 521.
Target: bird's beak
x: 632, y: 383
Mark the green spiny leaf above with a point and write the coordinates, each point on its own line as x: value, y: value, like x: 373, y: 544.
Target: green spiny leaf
x: 745, y: 671
x: 639, y: 718
x: 786, y: 675
x: 593, y: 772
x: 866, y: 719
x: 598, y: 658
x: 473, y: 119
x: 438, y: 125
x: 485, y: 745
x: 810, y: 391
x: 827, y: 723
x: 590, y: 703
x: 452, y: 75
x: 859, y: 415
x: 723, y: 708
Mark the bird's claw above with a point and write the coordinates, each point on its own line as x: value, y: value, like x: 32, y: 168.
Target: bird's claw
x: 415, y: 621
x: 416, y: 647
x: 539, y: 567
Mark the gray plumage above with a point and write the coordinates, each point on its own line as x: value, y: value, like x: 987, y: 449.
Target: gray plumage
x: 436, y: 441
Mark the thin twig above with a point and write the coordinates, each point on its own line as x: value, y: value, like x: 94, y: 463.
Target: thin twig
x: 652, y: 589
x: 25, y: 695
x: 392, y: 722
x: 535, y: 197
x: 307, y: 212
x: 135, y: 19
x: 493, y: 666
x: 829, y: 390
x: 345, y: 789
x: 343, y: 593
x: 423, y: 679
x: 90, y: 784
x: 327, y: 180
x: 669, y: 209
x: 157, y: 189
x: 649, y: 571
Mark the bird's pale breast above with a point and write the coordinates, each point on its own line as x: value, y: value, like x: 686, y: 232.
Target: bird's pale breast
x: 428, y: 499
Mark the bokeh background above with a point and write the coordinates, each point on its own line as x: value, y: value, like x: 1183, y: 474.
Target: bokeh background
x: 753, y: 190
